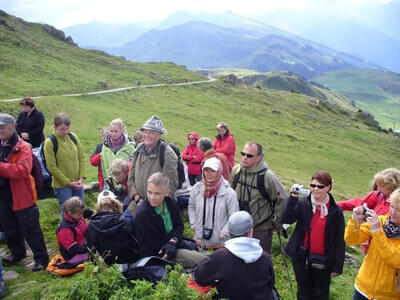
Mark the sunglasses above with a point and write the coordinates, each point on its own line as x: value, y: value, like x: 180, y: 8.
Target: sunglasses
x: 247, y: 154
x: 191, y: 139
x: 317, y: 186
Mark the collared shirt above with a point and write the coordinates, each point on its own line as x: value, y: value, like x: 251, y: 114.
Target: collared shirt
x: 166, y: 217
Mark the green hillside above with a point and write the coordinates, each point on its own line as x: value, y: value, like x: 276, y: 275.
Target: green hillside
x: 300, y: 134
x: 35, y: 62
x: 375, y: 91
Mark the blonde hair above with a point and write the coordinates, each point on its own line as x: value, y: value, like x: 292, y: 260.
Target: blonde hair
x: 395, y: 198
x: 390, y: 176
x: 108, y: 204
x: 73, y: 205
x: 118, y: 122
x: 118, y: 166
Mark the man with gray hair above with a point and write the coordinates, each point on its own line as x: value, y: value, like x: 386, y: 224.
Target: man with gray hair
x: 259, y: 192
x: 19, y: 215
x: 240, y: 270
x: 205, y: 145
x: 153, y: 155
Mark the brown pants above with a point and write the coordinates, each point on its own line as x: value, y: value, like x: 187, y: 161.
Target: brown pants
x: 265, y: 238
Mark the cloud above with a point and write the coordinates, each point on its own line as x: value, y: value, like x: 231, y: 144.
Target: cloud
x: 63, y: 13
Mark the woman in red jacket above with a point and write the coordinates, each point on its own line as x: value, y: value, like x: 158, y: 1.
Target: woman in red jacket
x: 225, y: 143
x: 95, y: 159
x: 193, y: 157
x: 384, y: 183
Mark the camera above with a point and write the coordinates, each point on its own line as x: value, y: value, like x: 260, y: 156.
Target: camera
x: 244, y: 205
x: 207, y: 233
x: 366, y: 210
x: 299, y: 190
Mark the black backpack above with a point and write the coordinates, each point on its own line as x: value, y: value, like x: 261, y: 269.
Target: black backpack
x: 53, y: 139
x: 179, y: 167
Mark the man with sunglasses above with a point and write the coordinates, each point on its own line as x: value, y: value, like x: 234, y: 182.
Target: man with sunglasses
x: 259, y: 192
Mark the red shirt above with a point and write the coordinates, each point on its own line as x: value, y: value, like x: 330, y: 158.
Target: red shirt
x: 317, y: 233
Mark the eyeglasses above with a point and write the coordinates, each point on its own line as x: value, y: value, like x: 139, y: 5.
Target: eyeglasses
x: 247, y: 154
x: 317, y: 186
x: 191, y: 139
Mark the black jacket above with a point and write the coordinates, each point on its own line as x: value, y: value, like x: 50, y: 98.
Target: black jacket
x: 236, y: 280
x: 300, y: 210
x: 111, y: 235
x: 33, y: 125
x: 150, y: 230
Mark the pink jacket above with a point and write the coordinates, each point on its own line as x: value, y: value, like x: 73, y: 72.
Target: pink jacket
x: 375, y: 200
x: 226, y: 145
x: 193, y: 156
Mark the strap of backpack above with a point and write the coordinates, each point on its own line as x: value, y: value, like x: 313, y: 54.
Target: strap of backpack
x: 163, y: 145
x: 236, y: 178
x: 261, y: 188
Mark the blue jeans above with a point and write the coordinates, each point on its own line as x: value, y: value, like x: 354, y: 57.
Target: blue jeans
x: 358, y: 296
x: 63, y: 194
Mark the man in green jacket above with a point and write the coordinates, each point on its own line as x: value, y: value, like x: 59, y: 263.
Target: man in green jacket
x: 146, y: 161
x: 259, y: 192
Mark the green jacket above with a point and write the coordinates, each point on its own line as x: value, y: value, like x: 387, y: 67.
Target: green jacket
x: 145, y: 163
x: 260, y: 209
x: 108, y: 156
x: 70, y: 164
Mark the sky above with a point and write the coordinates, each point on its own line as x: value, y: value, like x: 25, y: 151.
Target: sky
x: 63, y: 13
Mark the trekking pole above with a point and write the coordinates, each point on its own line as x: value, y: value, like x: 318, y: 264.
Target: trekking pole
x: 285, y: 260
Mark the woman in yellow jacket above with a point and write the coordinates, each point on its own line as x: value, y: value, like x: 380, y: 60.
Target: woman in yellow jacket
x: 378, y: 277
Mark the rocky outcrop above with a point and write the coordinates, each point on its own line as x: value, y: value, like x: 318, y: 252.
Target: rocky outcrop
x: 232, y: 79
x: 58, y: 34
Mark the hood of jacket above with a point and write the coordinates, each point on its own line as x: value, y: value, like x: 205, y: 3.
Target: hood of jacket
x: 246, y: 248
x: 108, y: 223
x: 196, y: 138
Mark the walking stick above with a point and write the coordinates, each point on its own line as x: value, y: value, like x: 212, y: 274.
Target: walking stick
x: 285, y: 260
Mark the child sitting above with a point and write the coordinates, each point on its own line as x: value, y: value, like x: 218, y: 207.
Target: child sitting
x: 71, y: 232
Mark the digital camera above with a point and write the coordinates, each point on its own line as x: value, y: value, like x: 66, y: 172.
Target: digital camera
x: 301, y: 191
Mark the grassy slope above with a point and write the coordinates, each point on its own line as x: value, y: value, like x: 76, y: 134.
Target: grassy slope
x: 34, y: 63
x: 299, y: 135
x: 375, y: 91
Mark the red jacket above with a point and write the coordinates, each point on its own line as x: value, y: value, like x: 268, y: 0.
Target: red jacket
x: 226, y: 168
x: 226, y: 145
x: 375, y: 200
x: 18, y: 170
x: 95, y: 161
x: 193, y: 163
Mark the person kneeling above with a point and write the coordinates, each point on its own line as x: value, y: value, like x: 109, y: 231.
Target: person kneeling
x: 71, y: 232
x: 159, y: 226
x: 240, y: 270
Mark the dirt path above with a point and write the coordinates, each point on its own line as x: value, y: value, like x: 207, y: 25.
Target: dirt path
x: 210, y: 79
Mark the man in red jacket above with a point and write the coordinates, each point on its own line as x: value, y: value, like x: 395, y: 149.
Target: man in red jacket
x: 19, y: 215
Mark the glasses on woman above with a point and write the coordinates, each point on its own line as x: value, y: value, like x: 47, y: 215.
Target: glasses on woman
x: 191, y: 139
x: 317, y: 186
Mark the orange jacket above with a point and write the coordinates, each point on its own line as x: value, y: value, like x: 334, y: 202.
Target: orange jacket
x: 18, y: 170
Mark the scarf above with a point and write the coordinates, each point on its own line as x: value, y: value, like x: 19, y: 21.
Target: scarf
x: 211, y: 187
x: 391, y: 230
x: 320, y: 205
x: 116, y: 144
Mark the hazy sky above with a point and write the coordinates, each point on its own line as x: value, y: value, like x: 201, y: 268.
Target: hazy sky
x: 61, y: 13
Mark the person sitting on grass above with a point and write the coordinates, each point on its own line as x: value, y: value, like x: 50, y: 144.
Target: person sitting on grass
x: 159, y: 226
x: 71, y: 232
x: 110, y: 233
x: 242, y: 269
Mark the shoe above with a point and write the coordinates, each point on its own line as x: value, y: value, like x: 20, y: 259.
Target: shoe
x: 3, y: 289
x: 9, y: 260
x: 38, y: 266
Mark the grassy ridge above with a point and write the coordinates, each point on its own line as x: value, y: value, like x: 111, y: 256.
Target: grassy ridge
x: 35, y: 63
x: 375, y: 91
x: 300, y: 135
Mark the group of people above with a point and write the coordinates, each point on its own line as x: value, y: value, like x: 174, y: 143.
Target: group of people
x: 232, y: 209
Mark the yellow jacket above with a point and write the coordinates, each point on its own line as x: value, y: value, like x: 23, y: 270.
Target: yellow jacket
x: 378, y: 276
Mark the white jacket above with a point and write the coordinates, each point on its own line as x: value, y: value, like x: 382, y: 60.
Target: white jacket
x: 225, y: 206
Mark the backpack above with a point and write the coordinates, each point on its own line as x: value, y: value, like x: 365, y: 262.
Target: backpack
x: 53, y: 139
x: 260, y: 186
x: 180, y: 168
x: 150, y: 268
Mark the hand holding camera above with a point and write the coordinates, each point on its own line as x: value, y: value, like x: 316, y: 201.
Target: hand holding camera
x: 298, y: 190
x: 363, y: 213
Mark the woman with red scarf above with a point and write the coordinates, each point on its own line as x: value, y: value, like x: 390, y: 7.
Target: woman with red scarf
x: 193, y: 157
x: 211, y: 203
